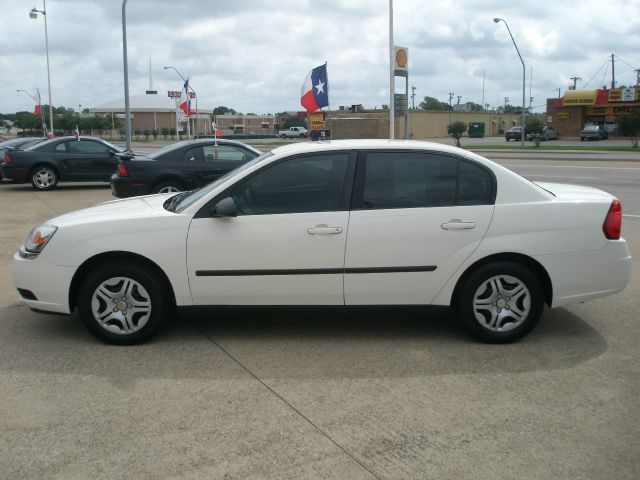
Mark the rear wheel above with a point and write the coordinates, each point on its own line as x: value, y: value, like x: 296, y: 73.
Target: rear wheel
x: 122, y: 304
x: 168, y: 187
x: 500, y: 302
x: 43, y: 177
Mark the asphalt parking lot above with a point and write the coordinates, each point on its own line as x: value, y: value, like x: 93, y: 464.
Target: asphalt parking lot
x: 252, y: 394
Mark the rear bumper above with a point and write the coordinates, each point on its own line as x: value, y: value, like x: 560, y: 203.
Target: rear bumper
x: 14, y: 172
x: 578, y: 277
x: 125, y: 187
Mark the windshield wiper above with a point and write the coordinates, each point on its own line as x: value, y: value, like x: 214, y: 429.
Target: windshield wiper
x: 173, y: 202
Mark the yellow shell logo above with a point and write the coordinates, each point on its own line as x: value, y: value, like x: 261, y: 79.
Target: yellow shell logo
x: 401, y: 58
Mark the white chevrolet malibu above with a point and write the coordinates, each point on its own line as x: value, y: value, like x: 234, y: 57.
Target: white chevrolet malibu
x: 361, y: 222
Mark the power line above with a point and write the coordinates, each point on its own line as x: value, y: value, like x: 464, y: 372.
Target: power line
x: 594, y: 76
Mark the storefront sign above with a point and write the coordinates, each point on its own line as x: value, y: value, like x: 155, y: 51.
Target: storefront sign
x: 624, y: 94
x: 611, y: 110
x: 579, y: 97
x: 563, y: 115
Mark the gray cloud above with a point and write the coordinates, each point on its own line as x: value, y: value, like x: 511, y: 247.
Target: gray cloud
x: 253, y: 55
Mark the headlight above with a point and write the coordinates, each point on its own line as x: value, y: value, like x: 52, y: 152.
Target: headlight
x: 37, y: 240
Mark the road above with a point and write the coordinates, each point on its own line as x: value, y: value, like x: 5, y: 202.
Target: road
x: 621, y: 179
x: 383, y: 394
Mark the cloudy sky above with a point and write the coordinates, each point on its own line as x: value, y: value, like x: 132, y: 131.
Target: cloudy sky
x: 254, y: 55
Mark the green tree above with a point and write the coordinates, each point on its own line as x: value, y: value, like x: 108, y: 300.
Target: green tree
x: 474, y: 107
x: 629, y: 126
x: 222, y: 110
x: 431, y: 103
x: 165, y: 132
x: 294, y: 122
x: 154, y: 133
x: 456, y: 129
x: 146, y: 134
x: 534, y: 129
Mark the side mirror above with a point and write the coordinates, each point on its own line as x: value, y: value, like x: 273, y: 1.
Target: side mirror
x: 225, y: 208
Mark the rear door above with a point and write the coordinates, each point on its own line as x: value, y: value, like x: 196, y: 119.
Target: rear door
x: 415, y: 218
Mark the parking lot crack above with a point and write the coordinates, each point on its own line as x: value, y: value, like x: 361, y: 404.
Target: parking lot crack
x: 288, y: 404
x: 46, y: 203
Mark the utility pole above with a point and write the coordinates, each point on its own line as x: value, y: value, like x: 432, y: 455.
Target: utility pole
x: 506, y: 101
x: 575, y: 81
x: 459, y: 97
x: 558, y: 92
x: 637, y: 77
x: 613, y: 71
x: 413, y: 97
x: 451, y: 94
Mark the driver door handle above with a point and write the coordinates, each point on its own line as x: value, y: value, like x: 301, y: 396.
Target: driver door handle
x: 458, y: 225
x: 324, y: 230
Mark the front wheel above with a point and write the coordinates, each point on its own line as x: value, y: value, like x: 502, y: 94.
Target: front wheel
x: 44, y: 177
x: 122, y: 304
x: 500, y: 302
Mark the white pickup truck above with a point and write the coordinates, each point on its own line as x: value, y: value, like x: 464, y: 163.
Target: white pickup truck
x: 293, y: 132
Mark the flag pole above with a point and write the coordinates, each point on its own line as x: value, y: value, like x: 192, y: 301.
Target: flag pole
x: 328, y: 124
x: 392, y: 86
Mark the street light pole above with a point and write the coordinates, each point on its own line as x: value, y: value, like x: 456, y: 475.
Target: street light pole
x: 34, y: 15
x: 127, y: 107
x: 496, y: 20
x: 194, y: 93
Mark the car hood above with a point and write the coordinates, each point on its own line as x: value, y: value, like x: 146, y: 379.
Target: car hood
x: 128, y: 208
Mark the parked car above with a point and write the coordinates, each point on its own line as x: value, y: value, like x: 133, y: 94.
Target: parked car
x: 21, y: 142
x: 66, y: 159
x: 293, y: 132
x: 355, y: 222
x: 595, y: 132
x: 548, y: 133
x: 181, y: 166
x: 514, y: 133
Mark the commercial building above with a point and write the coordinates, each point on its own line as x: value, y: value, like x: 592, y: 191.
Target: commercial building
x: 577, y: 108
x: 155, y: 112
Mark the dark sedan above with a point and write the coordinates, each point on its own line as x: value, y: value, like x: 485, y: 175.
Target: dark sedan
x: 181, y: 166
x: 514, y: 133
x: 595, y: 132
x: 69, y: 159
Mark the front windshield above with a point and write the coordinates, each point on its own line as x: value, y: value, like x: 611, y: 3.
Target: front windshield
x: 198, y: 194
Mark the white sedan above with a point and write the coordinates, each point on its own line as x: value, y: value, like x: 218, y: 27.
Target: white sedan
x: 360, y: 222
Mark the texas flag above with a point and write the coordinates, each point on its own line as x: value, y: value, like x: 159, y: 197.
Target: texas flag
x: 185, y: 100
x: 315, y: 89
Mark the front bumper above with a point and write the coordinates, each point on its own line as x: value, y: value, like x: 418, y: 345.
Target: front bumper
x: 49, y: 283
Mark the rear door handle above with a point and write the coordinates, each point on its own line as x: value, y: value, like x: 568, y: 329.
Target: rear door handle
x: 324, y: 230
x: 458, y: 225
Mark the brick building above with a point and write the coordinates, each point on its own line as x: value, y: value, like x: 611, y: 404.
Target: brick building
x: 578, y: 108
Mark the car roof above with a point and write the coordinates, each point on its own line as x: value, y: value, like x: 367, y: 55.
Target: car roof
x: 365, y: 144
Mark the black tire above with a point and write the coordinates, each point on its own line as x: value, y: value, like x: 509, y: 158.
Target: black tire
x: 43, y: 177
x: 142, y: 288
x: 283, y: 137
x: 486, y: 292
x: 168, y: 186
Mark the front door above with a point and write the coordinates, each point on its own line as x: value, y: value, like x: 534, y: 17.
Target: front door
x: 417, y: 216
x: 287, y: 244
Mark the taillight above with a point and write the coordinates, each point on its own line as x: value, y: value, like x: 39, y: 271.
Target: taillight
x: 7, y: 157
x: 613, y: 221
x: 122, y: 171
